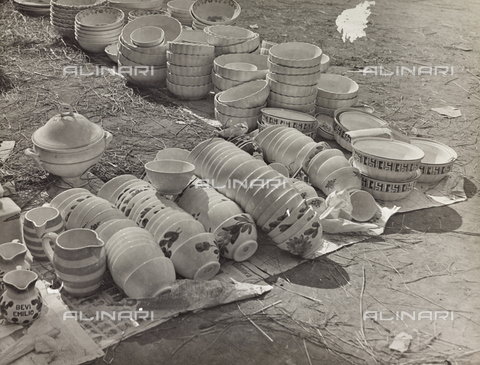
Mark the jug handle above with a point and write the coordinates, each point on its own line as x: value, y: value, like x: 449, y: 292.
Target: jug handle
x: 48, y: 238
x: 36, y: 158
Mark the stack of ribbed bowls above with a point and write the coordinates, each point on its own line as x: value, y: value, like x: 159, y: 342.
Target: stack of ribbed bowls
x: 294, y: 70
x: 231, y: 39
x: 335, y: 92
x: 193, y: 251
x: 134, y: 14
x: 189, y: 69
x: 389, y: 168
x: 33, y: 7
x: 98, y: 27
x: 235, y: 231
x: 180, y: 10
x: 288, y: 146
x: 304, y: 122
x: 234, y: 69
x: 128, y: 5
x: 148, y: 65
x: 241, y: 104
x: 266, y: 195
x: 214, y: 12
x: 63, y: 12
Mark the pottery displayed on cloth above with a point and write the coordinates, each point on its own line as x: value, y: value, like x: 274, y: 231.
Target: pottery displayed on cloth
x: 21, y: 303
x: 67, y: 146
x: 79, y: 259
x: 38, y: 222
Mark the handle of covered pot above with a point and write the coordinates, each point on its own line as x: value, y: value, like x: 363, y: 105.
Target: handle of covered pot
x: 47, y: 240
x: 36, y: 158
x: 65, y: 110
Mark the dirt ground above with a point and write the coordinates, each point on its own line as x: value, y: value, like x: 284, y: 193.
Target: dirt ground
x: 425, y: 261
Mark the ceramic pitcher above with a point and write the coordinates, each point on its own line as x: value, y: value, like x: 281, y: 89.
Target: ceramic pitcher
x: 21, y: 303
x: 12, y: 255
x: 38, y: 222
x: 79, y: 259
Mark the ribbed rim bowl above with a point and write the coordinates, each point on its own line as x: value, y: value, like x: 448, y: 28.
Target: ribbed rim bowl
x: 213, y: 12
x: 227, y: 35
x: 100, y: 18
x: 333, y: 86
x: 248, y: 95
x: 189, y: 71
x: 189, y: 92
x: 295, y: 54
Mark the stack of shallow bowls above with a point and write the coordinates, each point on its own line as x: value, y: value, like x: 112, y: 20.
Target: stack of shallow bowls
x: 148, y: 64
x: 346, y: 120
x: 265, y: 194
x: 33, y: 7
x: 288, y: 146
x: 243, y: 103
x: 180, y: 10
x: 182, y: 239
x: 232, y: 39
x: 63, y: 12
x: 438, y: 161
x: 294, y: 70
x: 128, y: 5
x: 235, y: 231
x: 214, y: 12
x: 98, y: 27
x: 188, y: 67
x: 389, y: 168
x: 234, y: 69
x: 335, y: 92
x: 304, y: 122
x: 134, y: 14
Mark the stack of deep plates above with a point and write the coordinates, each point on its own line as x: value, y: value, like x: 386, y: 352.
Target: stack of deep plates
x: 98, y: 27
x: 189, y: 68
x: 294, y: 70
x: 214, y: 12
x: 230, y: 70
x: 63, y: 12
x: 335, y: 92
x: 231, y: 39
x: 33, y: 7
x: 180, y: 10
x: 134, y: 14
x: 148, y: 64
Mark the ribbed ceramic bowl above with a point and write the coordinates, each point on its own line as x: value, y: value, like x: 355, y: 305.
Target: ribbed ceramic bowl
x: 189, y: 60
x: 236, y: 112
x: 188, y: 80
x: 248, y: 46
x: 189, y: 71
x: 152, y: 76
x: 189, y: 92
x: 296, y: 100
x: 304, y: 108
x: 297, y: 80
x: 194, y: 49
x: 333, y: 86
x: 388, y: 190
x: 227, y: 35
x: 213, y: 12
x: 438, y: 161
x: 222, y: 83
x: 335, y: 103
x: 73, y: 5
x: 295, y: 54
x: 290, y: 90
x: 289, y: 70
x: 249, y: 95
x: 386, y: 159
x: 132, y: 57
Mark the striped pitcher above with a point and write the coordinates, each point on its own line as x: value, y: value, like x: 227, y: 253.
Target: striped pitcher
x: 38, y: 222
x: 79, y: 259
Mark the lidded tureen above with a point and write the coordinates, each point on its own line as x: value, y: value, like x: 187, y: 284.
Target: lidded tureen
x: 68, y: 145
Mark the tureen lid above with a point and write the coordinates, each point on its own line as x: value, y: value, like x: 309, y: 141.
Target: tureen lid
x: 67, y: 130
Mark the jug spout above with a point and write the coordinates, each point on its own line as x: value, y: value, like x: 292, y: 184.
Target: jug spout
x: 41, y: 217
x: 20, y: 280
x: 12, y: 254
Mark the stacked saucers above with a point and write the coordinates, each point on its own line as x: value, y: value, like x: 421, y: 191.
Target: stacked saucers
x: 180, y: 10
x: 294, y: 70
x: 234, y: 69
x: 98, y: 27
x: 214, y: 12
x: 231, y: 39
x: 189, y: 66
x: 265, y: 194
x: 148, y: 64
x: 335, y: 92
x: 304, y: 122
x: 128, y: 5
x: 389, y: 168
x: 63, y: 12
x: 241, y: 104
x: 33, y: 7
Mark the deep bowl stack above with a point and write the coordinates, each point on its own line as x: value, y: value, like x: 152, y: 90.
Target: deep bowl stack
x: 335, y: 92
x: 148, y: 65
x: 214, y: 12
x: 293, y: 72
x: 241, y: 104
x: 63, y: 12
x: 98, y: 27
x: 231, y: 39
x: 189, y: 68
x: 180, y: 10
x: 235, y: 69
x: 33, y: 7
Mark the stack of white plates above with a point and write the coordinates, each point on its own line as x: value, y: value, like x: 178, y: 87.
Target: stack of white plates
x: 294, y: 70
x: 148, y: 64
x: 63, y: 12
x: 33, y: 7
x: 98, y: 27
x: 180, y: 10
x: 134, y: 14
x: 189, y: 68
x: 214, y: 12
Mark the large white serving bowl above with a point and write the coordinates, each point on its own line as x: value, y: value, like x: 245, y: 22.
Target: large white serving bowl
x: 189, y: 92
x: 295, y: 54
x: 227, y: 35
